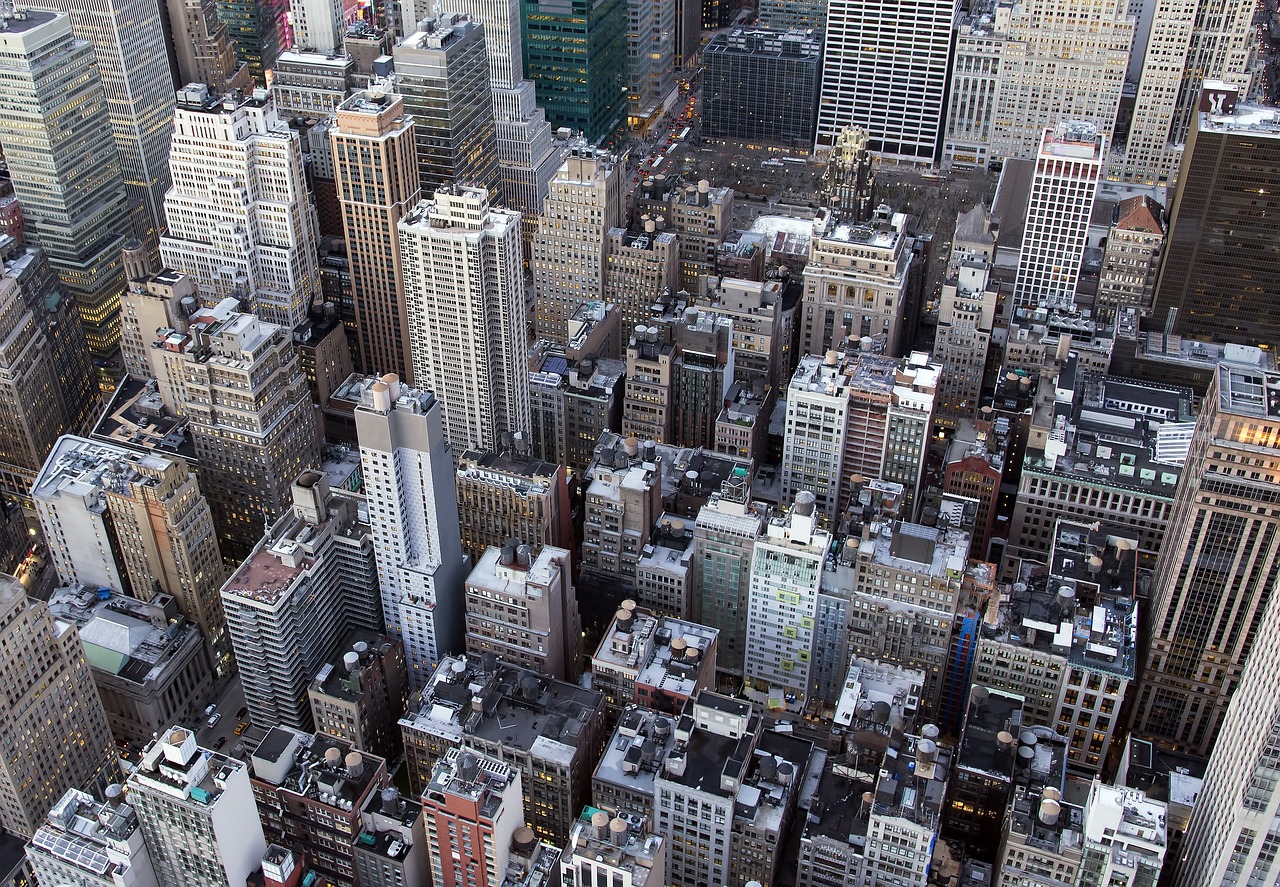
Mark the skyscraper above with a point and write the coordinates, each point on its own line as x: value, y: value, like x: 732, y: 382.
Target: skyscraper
x: 473, y: 808
x: 465, y: 295
x: 136, y: 523
x: 376, y: 173
x: 128, y: 42
x: 724, y: 539
x: 762, y: 86
x: 203, y: 53
x: 880, y: 59
x: 197, y: 813
x: 84, y: 841
x: 584, y: 201
x: 442, y: 72
x: 1218, y: 274
x: 651, y: 61
x: 1218, y: 560
x: 576, y: 53
x: 239, y: 382
x: 318, y: 25
x: 1068, y: 167
x: 258, y: 28
x: 260, y: 244
x: 413, y: 512
x: 1191, y: 42
x: 56, y: 729
x: 56, y: 137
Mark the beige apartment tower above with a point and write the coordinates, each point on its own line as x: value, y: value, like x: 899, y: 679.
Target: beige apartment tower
x: 375, y: 169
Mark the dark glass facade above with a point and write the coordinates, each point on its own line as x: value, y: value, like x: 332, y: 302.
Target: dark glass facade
x: 761, y: 85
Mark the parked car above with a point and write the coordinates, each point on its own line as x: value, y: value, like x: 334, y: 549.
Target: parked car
x: 210, y: 709
x: 219, y: 742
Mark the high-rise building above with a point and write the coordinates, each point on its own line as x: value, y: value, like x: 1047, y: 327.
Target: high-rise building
x: 239, y: 382
x: 311, y: 84
x: 790, y: 14
x: 149, y: 662
x: 319, y: 25
x: 1126, y: 839
x: 638, y: 268
x: 59, y: 738
x: 91, y: 843
x: 290, y: 606
x: 133, y: 522
x: 134, y: 66
x: 1211, y: 579
x: 56, y: 135
x: 659, y: 662
x: 202, y: 51
x: 1217, y: 273
x: 701, y: 217
x: 1060, y: 62
x: 473, y: 809
x: 259, y: 30
x: 569, y: 402
x: 864, y: 297
x: 724, y: 538
x: 502, y: 497
x: 527, y: 157
x: 623, y: 501
x: 391, y: 848
x: 786, y: 574
x: 981, y: 34
x: 152, y: 301
x: 966, y: 319
x: 1191, y: 42
x: 521, y: 607
x: 376, y: 174
x: 880, y: 58
x: 442, y: 72
x: 584, y: 202
x: 45, y: 372
x: 464, y: 289
x: 651, y: 62
x: 259, y: 246
x: 762, y: 86
x: 1131, y: 259
x: 576, y: 53
x: 548, y: 730
x: 361, y: 696
x: 413, y: 512
x: 1068, y: 167
x: 600, y: 853
x: 197, y: 813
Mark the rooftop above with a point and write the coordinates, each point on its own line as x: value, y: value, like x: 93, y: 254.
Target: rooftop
x: 1245, y: 386
x: 773, y: 42
x: 83, y: 833
x: 316, y: 766
x: 839, y: 812
x: 522, y: 475
x: 913, y: 780
x: 878, y: 697
x: 81, y: 467
x: 472, y: 776
x: 989, y: 739
x: 938, y: 552
x: 174, y: 766
x: 660, y: 651
x: 636, y: 750
x: 504, y: 704
x: 636, y: 851
x: 1041, y: 784
x: 136, y: 417
x: 340, y: 678
x: 124, y: 636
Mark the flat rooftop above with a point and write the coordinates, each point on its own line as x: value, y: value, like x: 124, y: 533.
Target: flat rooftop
x: 135, y: 417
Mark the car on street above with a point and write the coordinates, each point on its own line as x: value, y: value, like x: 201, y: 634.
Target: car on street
x: 241, y: 727
x: 213, y: 721
x: 244, y: 710
x: 210, y: 709
x: 219, y: 742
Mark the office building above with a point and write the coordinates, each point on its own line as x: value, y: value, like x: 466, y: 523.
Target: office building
x: 749, y: 808
x: 149, y: 662
x: 93, y: 843
x: 311, y: 84
x: 197, y: 812
x: 876, y: 419
x: 45, y: 372
x: 133, y: 522
x: 624, y: 778
x: 663, y: 574
x: 786, y: 574
x: 360, y: 696
x: 310, y: 790
x: 59, y: 732
x: 598, y: 851
x: 966, y: 319
x: 442, y: 73
x: 1205, y: 621
x: 762, y: 86
x: 570, y: 401
x: 1045, y: 834
x: 905, y: 815
x: 136, y: 81
x: 548, y: 730
x: 725, y: 534
x: 974, y: 468
x: 1068, y: 166
x: 259, y: 32
x: 576, y: 54
x: 761, y: 331
x: 239, y: 382
x: 584, y: 202
x: 638, y: 268
x: 856, y: 281
x: 320, y: 25
x: 982, y: 32
x: 413, y: 513
x: 260, y: 249
x: 391, y: 848
x: 465, y: 295
x: 879, y: 59
x: 56, y: 134
x: 292, y: 603
x: 152, y: 301
x: 1131, y: 258
x: 654, y: 661
x: 473, y: 809
x: 983, y: 773
x: 651, y: 63
x: 1214, y: 273
x: 511, y: 496
x: 1060, y: 62
x: 201, y: 50
x: 701, y: 217
x: 375, y: 169
x: 521, y: 607
x: 1190, y: 44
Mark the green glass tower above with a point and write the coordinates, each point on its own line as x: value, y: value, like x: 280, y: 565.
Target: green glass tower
x: 258, y: 29
x: 576, y: 53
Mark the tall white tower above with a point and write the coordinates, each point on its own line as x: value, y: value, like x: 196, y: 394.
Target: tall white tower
x: 1068, y: 167
x: 241, y: 222
x: 413, y: 513
x: 464, y: 293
